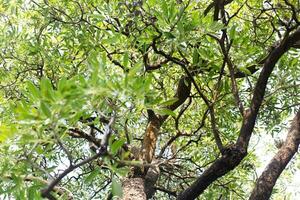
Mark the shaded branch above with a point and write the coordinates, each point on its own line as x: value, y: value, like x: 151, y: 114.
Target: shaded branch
x: 216, y: 4
x: 59, y: 190
x: 215, y: 130
x: 46, y: 192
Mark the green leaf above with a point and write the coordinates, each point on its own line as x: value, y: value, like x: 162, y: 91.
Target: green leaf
x: 116, y: 188
x: 204, y: 54
x: 245, y: 70
x: 62, y: 84
x: 216, y: 26
x: 126, y: 59
x: 165, y: 111
x: 164, y: 7
x: 132, y: 72
x: 46, y: 88
x: 169, y: 102
x: 122, y: 171
x: 91, y: 176
x: 46, y: 84
x: 169, y: 35
x: 45, y: 109
x: 33, y: 192
x: 232, y: 32
x: 6, y: 131
x: 195, y: 57
x: 34, y: 91
x: 117, y: 145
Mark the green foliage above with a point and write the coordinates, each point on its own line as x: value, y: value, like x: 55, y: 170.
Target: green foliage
x: 68, y: 65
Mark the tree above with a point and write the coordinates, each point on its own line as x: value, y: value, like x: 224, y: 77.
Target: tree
x: 146, y: 99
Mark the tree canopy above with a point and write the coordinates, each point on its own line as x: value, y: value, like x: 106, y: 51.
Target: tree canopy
x: 148, y: 99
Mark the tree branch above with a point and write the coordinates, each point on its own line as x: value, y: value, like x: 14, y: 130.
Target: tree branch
x: 265, y: 183
x: 259, y: 90
x: 59, y: 190
x: 234, y: 154
x: 46, y: 192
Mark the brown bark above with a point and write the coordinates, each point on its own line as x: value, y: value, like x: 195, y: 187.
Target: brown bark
x: 150, y: 138
x: 259, y: 91
x: 152, y: 131
x: 265, y: 183
x: 150, y: 180
x: 133, y: 189
x: 141, y: 185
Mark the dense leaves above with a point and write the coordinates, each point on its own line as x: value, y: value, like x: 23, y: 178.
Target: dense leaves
x: 82, y: 81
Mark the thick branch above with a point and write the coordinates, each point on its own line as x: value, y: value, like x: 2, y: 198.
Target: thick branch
x: 152, y: 131
x: 267, y: 180
x: 150, y: 138
x: 182, y: 93
x: 133, y: 188
x: 234, y: 154
x: 259, y: 91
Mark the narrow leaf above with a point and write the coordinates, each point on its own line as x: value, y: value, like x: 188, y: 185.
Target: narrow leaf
x: 116, y: 188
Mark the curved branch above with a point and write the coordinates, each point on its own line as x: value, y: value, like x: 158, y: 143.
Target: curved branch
x: 259, y: 91
x: 155, y: 122
x: 267, y: 180
x: 59, y: 190
x: 46, y: 192
x: 234, y: 154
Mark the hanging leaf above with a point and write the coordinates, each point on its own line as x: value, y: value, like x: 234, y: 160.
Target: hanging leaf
x: 116, y: 188
x: 169, y: 102
x: 33, y: 90
x: 195, y: 56
x: 165, y: 111
x: 126, y: 59
x: 45, y: 109
x: 117, y: 145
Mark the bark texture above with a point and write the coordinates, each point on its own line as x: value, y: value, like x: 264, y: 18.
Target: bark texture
x: 141, y: 185
x: 265, y: 183
x: 133, y: 189
x: 150, y: 180
x: 150, y: 138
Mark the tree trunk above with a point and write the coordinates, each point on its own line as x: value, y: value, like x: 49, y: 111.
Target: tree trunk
x: 134, y: 189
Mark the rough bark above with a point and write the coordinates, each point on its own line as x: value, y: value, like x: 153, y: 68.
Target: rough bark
x: 144, y: 179
x: 259, y: 91
x: 265, y: 183
x: 150, y: 138
x: 152, y: 131
x: 150, y: 180
x: 133, y: 189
